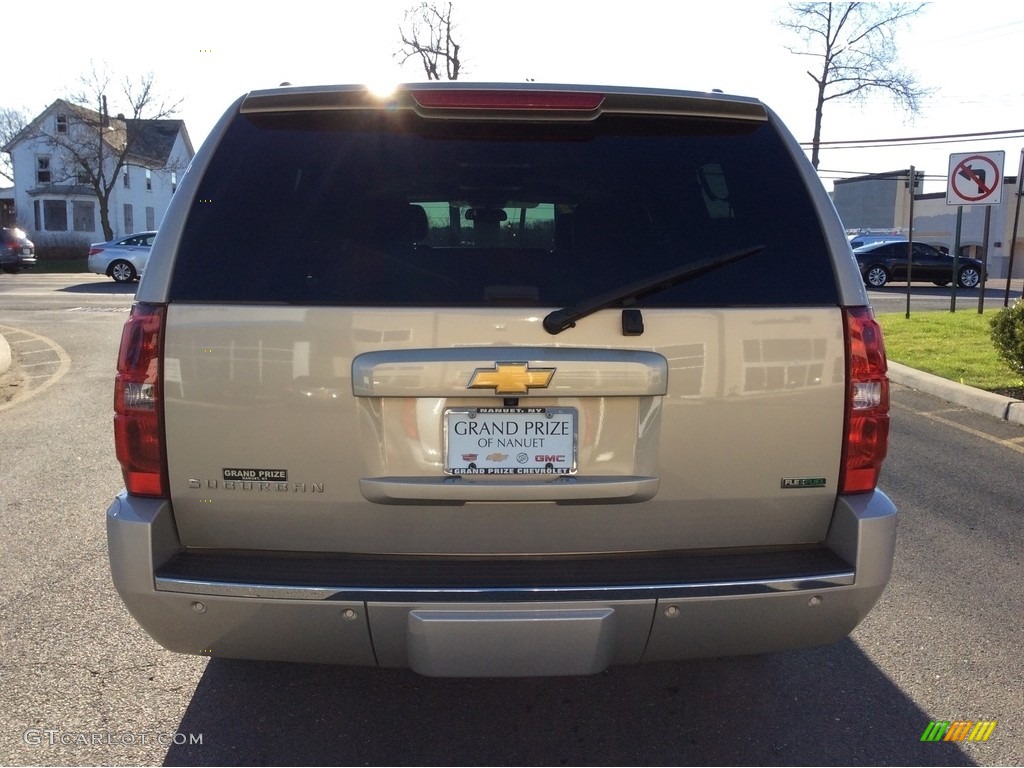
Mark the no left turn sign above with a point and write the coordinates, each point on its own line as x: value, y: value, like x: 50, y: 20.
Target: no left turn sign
x: 975, y: 178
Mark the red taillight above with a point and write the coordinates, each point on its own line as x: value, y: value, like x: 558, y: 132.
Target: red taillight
x: 138, y: 403
x: 482, y: 99
x: 94, y: 251
x: 867, y: 406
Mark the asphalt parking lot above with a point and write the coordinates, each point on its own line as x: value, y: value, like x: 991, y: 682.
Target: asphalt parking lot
x: 79, y: 680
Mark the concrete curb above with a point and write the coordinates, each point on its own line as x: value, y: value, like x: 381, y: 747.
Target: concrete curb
x: 5, y: 355
x: 1000, y: 406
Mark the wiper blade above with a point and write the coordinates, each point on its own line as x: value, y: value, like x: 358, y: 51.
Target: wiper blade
x: 560, y: 319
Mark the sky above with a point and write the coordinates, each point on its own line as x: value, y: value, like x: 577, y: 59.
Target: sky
x: 209, y: 53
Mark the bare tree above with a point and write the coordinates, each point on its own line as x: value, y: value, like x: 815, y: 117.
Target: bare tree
x: 12, y: 122
x: 855, y: 47
x: 427, y: 33
x: 95, y: 147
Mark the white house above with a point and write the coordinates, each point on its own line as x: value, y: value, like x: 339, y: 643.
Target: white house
x: 66, y: 153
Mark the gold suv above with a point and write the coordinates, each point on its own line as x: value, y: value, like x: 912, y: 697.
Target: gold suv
x: 500, y: 380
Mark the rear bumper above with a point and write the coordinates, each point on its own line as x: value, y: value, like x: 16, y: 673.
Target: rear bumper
x: 18, y: 261
x: 447, y: 617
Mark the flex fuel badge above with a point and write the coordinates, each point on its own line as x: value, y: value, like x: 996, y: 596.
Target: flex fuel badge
x: 803, y: 482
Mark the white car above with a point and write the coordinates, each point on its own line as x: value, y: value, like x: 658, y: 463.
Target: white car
x: 124, y: 259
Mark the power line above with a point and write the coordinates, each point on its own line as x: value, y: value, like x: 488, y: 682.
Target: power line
x: 908, y: 141
x: 838, y: 174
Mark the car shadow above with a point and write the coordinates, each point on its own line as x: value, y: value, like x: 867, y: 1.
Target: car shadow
x: 106, y: 287
x: 824, y: 706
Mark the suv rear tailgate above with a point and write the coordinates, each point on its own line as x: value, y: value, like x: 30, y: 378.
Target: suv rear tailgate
x: 273, y: 445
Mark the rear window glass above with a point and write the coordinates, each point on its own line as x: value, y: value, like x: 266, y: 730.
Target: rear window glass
x: 385, y: 208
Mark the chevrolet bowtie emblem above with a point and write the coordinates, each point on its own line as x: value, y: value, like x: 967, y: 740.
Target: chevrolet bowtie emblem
x: 510, y: 378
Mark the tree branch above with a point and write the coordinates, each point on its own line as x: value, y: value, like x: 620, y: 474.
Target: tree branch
x: 857, y: 46
x: 427, y: 21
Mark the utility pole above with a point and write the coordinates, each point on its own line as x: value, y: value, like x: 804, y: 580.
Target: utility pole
x: 1016, y: 224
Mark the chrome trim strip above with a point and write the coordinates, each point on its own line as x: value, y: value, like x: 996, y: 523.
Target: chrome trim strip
x: 507, y: 594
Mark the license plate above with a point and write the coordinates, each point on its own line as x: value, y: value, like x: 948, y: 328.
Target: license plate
x: 510, y: 441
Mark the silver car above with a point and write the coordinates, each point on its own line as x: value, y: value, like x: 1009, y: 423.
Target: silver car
x: 123, y: 259
x: 500, y: 380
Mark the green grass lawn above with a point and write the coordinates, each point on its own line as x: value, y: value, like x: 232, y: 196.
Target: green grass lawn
x: 955, y: 346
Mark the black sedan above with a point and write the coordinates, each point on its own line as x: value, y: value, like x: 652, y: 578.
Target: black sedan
x: 16, y: 250
x: 882, y: 263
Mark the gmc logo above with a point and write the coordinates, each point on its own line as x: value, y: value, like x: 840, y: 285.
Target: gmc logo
x: 544, y: 459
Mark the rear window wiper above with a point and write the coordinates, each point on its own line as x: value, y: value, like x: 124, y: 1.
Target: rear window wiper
x: 560, y: 319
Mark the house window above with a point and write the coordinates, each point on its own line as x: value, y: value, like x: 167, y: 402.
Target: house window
x: 174, y: 182
x: 43, y: 175
x: 84, y: 177
x: 129, y: 218
x: 37, y: 215
x: 150, y: 217
x: 83, y: 212
x: 125, y: 180
x: 55, y: 216
x: 149, y: 180
x: 62, y: 123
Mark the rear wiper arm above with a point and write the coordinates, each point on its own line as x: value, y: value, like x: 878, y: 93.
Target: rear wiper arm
x: 560, y: 319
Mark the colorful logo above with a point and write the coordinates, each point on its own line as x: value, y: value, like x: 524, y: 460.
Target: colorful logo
x: 958, y: 730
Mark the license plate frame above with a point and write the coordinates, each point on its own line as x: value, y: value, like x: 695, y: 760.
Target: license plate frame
x: 510, y: 441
